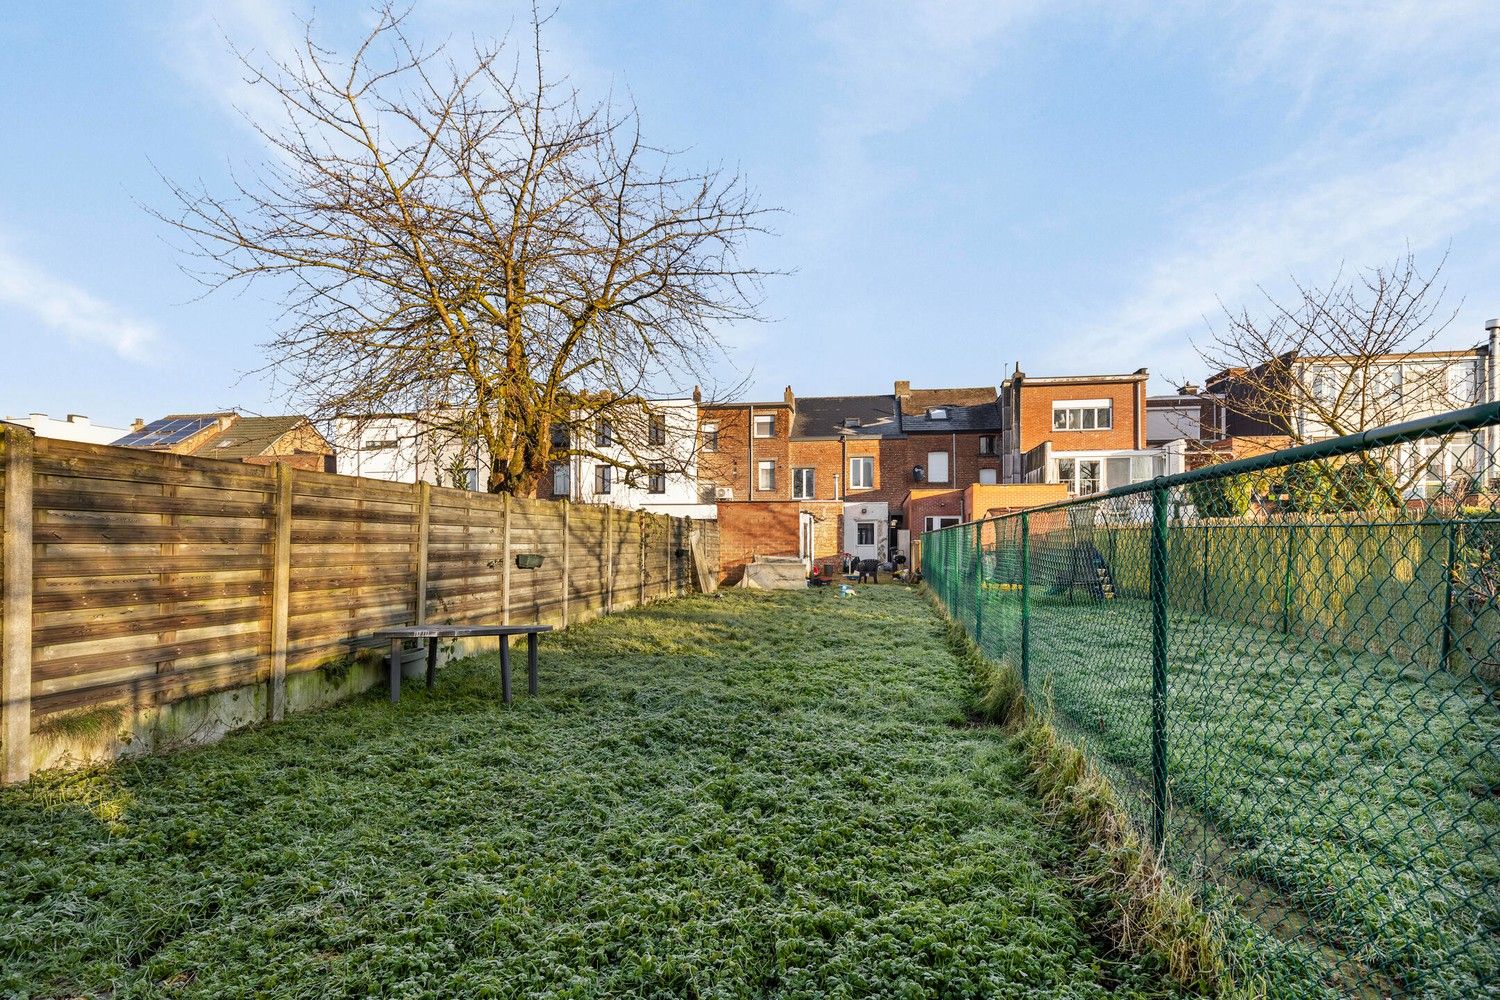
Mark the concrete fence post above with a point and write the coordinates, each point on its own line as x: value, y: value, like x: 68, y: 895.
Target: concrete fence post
x: 15, y: 602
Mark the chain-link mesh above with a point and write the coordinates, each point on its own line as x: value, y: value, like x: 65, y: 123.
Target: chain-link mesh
x: 1288, y: 666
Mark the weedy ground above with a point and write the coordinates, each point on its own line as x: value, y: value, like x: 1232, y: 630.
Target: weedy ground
x: 764, y: 794
x: 1351, y: 796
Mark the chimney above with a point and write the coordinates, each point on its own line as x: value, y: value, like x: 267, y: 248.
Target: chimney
x: 788, y: 398
x: 1189, y: 389
x: 903, y: 389
x: 697, y: 395
x: 78, y: 418
x: 138, y: 424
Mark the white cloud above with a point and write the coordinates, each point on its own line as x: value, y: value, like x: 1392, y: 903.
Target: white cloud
x: 77, y: 314
x: 1405, y: 151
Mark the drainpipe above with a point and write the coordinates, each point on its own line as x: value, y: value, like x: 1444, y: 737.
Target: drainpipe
x: 753, y: 472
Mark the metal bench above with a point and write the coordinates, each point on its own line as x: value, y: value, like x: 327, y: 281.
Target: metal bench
x: 432, y: 633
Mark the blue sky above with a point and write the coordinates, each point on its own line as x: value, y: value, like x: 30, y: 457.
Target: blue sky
x: 1070, y: 185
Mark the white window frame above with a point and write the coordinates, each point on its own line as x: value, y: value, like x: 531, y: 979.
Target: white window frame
x: 989, y: 477
x: 710, y: 437
x: 986, y: 444
x: 804, y: 482
x: 1075, y: 413
x: 755, y: 428
x: 860, y: 526
x: 938, y: 521
x: 866, y: 464
x: 934, y: 459
x: 765, y: 475
x: 1073, y: 477
x: 561, y: 474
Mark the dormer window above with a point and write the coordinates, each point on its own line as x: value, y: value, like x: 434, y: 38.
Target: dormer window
x: 851, y: 422
x: 937, y: 413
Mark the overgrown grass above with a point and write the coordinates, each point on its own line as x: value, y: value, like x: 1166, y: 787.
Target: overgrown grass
x: 762, y: 794
x: 1347, y: 797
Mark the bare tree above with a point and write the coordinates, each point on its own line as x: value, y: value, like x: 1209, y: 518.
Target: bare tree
x: 1351, y: 355
x: 470, y: 241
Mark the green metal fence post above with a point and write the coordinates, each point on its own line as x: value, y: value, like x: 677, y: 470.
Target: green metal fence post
x: 1286, y: 583
x: 1025, y: 605
x: 979, y: 584
x: 1204, y: 595
x: 1451, y: 530
x: 1159, y: 510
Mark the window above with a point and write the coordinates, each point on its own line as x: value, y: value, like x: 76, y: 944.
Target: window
x: 765, y: 426
x: 986, y: 444
x: 802, y: 484
x: 603, y: 477
x: 378, y: 444
x: 862, y: 473
x: 710, y: 437
x: 934, y: 523
x: 938, y: 413
x: 851, y: 422
x: 988, y: 477
x: 561, y: 486
x: 765, y: 475
x: 937, y: 466
x: 1081, y: 475
x: 471, y: 478
x: 604, y: 434
x: 1083, y: 415
x: 656, y: 429
x: 559, y: 436
x: 658, y: 480
x: 864, y: 533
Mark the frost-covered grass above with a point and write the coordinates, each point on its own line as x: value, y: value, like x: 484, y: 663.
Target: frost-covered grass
x: 1353, y: 792
x: 761, y: 794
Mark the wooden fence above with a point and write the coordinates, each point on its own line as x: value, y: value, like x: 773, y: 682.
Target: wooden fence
x: 138, y: 579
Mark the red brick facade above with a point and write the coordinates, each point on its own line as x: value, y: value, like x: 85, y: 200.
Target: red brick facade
x: 1029, y: 407
x: 747, y: 530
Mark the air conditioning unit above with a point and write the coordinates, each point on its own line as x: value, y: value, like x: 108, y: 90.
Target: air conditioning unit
x: 724, y: 493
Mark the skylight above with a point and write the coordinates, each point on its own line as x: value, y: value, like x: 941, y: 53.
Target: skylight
x: 938, y: 413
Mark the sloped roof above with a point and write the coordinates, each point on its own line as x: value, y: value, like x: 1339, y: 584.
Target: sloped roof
x: 960, y: 420
x: 248, y: 437
x: 825, y: 416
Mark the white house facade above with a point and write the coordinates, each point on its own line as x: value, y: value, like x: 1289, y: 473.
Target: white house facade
x: 408, y: 448
x: 641, y: 461
x: 76, y: 427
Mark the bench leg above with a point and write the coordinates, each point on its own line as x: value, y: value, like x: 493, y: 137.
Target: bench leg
x: 531, y: 678
x: 505, y: 668
x: 431, y: 662
x: 395, y: 671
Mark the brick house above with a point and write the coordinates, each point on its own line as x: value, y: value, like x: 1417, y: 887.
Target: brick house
x: 849, y: 461
x: 1087, y: 432
x: 292, y: 440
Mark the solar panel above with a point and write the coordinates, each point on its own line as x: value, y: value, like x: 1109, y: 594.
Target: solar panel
x: 165, y: 432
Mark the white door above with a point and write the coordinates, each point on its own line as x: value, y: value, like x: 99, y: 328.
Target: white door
x: 867, y: 539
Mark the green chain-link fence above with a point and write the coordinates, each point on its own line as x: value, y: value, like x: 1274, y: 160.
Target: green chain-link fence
x: 1289, y: 667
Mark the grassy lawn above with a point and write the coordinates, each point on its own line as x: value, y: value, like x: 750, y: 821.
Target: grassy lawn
x: 1357, y: 787
x: 761, y: 794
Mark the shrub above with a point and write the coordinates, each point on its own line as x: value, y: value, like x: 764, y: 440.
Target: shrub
x: 1360, y: 485
x: 1225, y: 497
